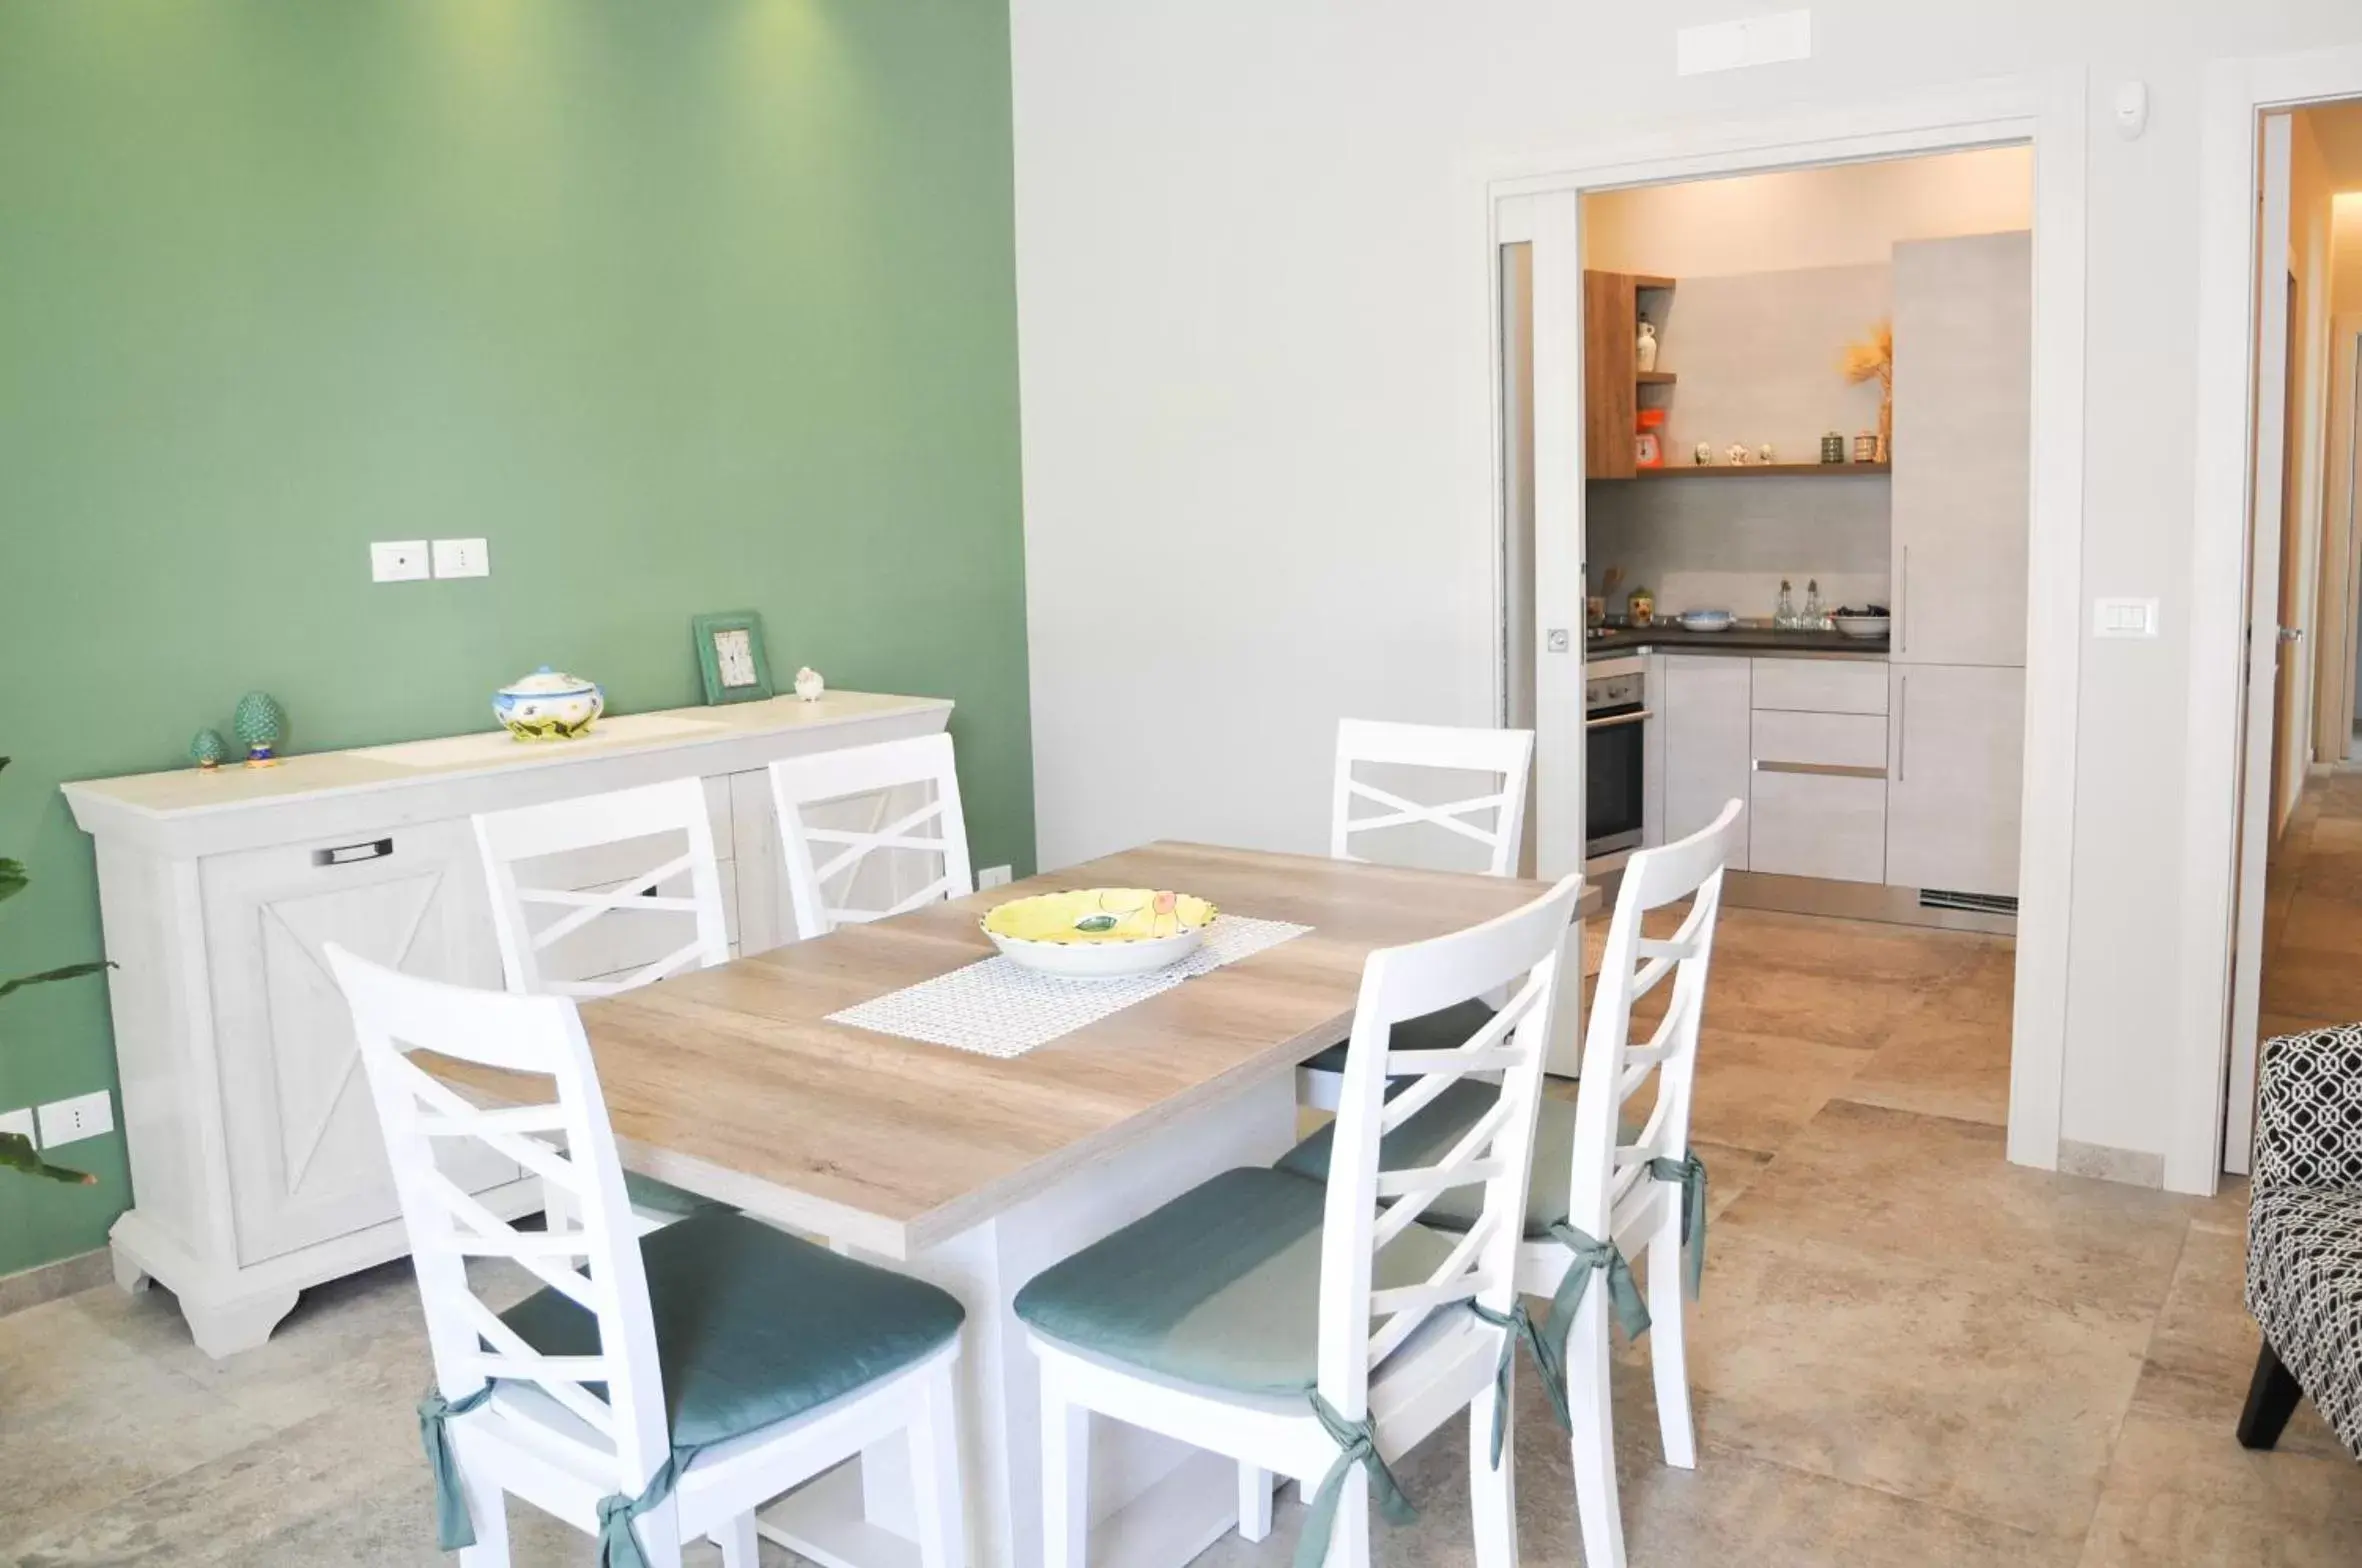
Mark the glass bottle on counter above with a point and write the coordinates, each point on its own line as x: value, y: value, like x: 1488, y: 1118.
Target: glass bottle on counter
x: 1816, y: 618
x: 1784, y: 609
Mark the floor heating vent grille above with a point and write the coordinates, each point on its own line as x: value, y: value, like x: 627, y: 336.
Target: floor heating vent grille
x: 1972, y: 903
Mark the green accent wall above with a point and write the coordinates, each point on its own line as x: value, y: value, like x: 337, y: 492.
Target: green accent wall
x: 684, y: 305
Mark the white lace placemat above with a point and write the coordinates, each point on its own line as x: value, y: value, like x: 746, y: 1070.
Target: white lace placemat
x: 998, y: 1007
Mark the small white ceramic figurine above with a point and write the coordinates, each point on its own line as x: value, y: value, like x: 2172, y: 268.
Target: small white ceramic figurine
x: 1737, y: 455
x: 1763, y: 453
x: 809, y: 685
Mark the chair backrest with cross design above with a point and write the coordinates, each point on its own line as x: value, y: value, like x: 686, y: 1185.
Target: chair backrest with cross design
x: 654, y: 890
x: 595, y: 1262
x: 1368, y: 1206
x: 1610, y: 1178
x: 855, y: 822
x: 1493, y: 819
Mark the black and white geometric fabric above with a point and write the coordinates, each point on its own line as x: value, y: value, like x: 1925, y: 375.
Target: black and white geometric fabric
x: 2304, y: 1219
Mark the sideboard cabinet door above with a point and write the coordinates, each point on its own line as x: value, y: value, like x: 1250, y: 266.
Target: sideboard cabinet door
x: 307, y: 1162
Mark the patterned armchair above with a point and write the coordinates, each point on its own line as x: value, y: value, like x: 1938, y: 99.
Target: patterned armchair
x: 2304, y: 1236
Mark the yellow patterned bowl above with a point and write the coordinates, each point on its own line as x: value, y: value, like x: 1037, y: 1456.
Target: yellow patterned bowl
x: 1101, y: 932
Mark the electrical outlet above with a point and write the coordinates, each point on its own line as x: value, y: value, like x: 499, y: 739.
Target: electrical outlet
x: 462, y: 558
x: 993, y: 876
x: 397, y: 561
x: 70, y: 1121
x: 18, y: 1122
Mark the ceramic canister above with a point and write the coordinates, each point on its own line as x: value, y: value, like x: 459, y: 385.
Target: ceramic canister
x: 546, y: 705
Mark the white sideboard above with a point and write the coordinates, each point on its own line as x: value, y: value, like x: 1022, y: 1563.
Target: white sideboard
x: 256, y: 1164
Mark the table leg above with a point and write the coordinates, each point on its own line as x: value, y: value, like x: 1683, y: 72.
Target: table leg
x: 1153, y: 1501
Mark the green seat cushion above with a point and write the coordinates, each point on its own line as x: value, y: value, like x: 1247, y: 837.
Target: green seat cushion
x: 1430, y: 1134
x: 650, y: 1196
x: 754, y: 1326
x: 1220, y: 1287
x: 1443, y: 1030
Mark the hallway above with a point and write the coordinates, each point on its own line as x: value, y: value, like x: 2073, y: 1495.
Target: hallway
x: 2313, y: 913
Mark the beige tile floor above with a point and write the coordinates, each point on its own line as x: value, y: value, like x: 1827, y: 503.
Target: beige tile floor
x: 1908, y: 1351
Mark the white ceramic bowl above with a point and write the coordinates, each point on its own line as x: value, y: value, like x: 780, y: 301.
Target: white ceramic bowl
x: 1101, y: 960
x: 1706, y: 620
x: 1864, y: 625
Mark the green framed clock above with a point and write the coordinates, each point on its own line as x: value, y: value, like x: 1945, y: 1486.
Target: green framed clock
x: 730, y: 656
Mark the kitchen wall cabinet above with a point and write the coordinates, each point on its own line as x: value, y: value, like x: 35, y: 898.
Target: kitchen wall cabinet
x: 1963, y: 376
x: 256, y: 1163
x: 1705, y: 715
x: 1955, y: 775
x: 1613, y: 303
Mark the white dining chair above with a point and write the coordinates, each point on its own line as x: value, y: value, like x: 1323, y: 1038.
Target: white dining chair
x: 1595, y: 1176
x: 1297, y: 1329
x: 1493, y: 820
x: 603, y: 894
x: 831, y: 878
x: 656, y: 1389
x: 590, y: 838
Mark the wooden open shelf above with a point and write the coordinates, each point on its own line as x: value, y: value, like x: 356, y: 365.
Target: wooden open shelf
x: 1654, y: 378
x: 1757, y: 470
x: 1643, y: 280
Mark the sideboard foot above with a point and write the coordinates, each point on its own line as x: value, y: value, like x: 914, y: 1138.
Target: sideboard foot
x: 224, y: 1328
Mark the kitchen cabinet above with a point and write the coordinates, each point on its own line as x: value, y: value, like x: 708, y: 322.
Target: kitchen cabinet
x: 1704, y: 715
x: 1963, y: 376
x: 1817, y: 791
x: 1613, y: 304
x: 1955, y: 774
x: 256, y: 1163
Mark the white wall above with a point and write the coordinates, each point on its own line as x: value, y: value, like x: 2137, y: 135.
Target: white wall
x: 1850, y: 215
x: 1244, y: 232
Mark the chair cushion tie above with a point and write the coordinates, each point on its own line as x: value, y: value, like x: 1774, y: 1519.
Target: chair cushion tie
x: 619, y: 1543
x: 1519, y: 1326
x: 1691, y: 1173
x: 1592, y: 1256
x: 454, y: 1530
x: 1357, y: 1444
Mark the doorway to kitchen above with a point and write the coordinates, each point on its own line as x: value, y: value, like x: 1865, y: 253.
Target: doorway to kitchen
x: 1664, y: 320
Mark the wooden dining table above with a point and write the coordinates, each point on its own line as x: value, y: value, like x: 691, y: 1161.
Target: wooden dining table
x: 978, y: 1172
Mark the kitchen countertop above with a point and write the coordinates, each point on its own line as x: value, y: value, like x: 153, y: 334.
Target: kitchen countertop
x: 1742, y: 638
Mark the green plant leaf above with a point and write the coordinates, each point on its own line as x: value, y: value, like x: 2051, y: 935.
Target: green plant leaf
x: 18, y: 1154
x: 69, y: 972
x: 12, y: 878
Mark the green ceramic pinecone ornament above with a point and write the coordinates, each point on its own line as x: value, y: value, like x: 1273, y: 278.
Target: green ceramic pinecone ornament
x: 259, y: 721
x: 207, y: 749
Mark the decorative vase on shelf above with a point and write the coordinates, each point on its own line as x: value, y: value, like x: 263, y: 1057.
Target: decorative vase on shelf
x: 1738, y: 455
x: 1833, y: 448
x: 1646, y: 347
x: 1703, y: 454
x: 206, y: 749
x: 259, y: 724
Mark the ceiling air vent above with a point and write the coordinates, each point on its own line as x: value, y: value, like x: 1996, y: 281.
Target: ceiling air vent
x: 1972, y: 903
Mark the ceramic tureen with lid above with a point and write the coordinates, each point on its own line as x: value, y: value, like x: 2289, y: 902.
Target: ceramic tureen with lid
x: 546, y: 705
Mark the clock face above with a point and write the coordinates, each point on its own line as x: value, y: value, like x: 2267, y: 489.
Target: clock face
x: 734, y: 656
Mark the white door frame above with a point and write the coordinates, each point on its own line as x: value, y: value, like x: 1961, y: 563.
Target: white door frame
x: 2257, y: 818
x: 2048, y: 111
x: 2237, y: 92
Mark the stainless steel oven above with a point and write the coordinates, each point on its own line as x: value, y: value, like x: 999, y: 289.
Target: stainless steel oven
x: 1615, y: 719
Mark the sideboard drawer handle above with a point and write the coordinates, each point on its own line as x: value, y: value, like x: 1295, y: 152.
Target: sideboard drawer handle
x: 352, y: 854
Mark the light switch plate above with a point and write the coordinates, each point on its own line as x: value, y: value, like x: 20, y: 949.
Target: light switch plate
x: 1557, y: 641
x: 1754, y: 40
x: 993, y: 876
x: 2124, y: 617
x: 18, y: 1122
x: 462, y: 558
x: 70, y: 1121
x: 397, y: 561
